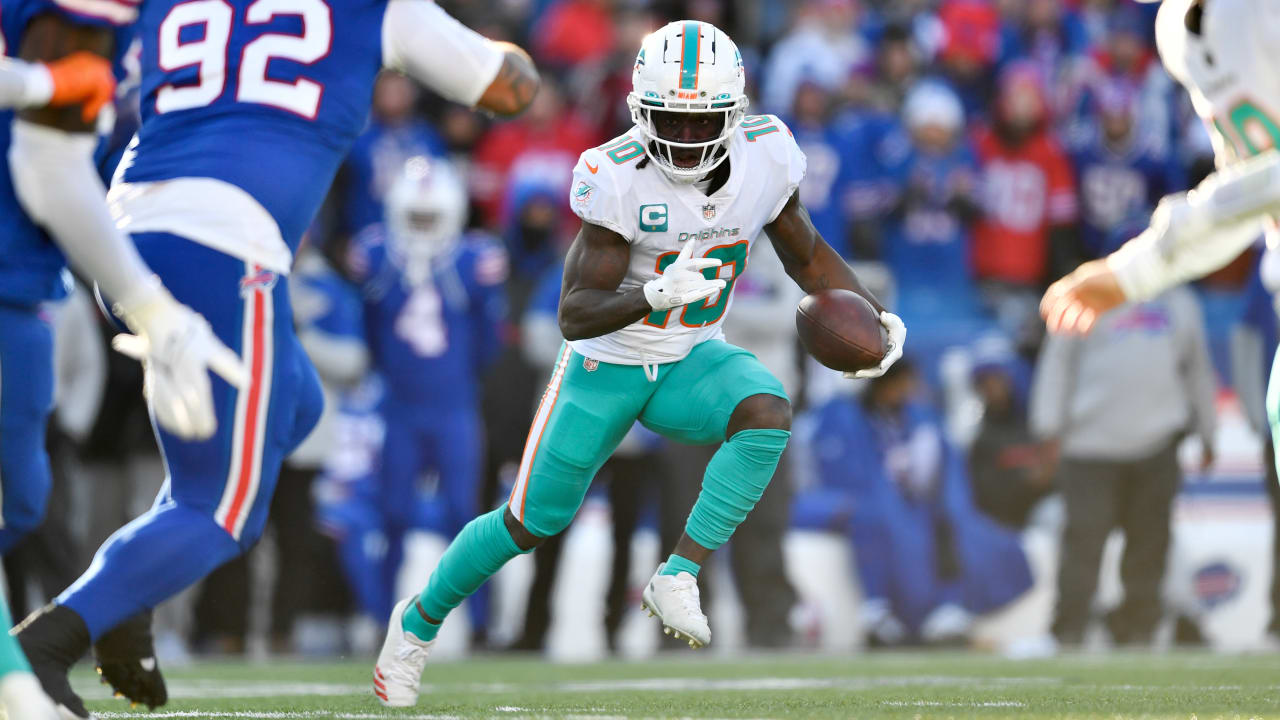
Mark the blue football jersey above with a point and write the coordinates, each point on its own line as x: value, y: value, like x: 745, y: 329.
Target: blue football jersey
x: 266, y: 95
x: 927, y: 241
x: 32, y: 268
x: 431, y: 341
x: 1117, y: 187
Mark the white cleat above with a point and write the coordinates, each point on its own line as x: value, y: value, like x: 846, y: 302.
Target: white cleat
x: 23, y: 698
x: 673, y: 599
x: 399, y: 668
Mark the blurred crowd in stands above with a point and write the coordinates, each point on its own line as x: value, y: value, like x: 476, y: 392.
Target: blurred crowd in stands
x: 961, y: 153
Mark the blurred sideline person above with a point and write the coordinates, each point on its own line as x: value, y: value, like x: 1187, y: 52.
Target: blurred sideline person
x: 1116, y: 404
x: 217, y: 191
x: 642, y: 317
x: 928, y: 561
x: 1007, y: 464
x: 1029, y: 194
x: 434, y: 311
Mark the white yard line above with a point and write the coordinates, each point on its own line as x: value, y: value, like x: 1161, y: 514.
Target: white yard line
x: 212, y: 690
x: 942, y: 704
x: 267, y: 715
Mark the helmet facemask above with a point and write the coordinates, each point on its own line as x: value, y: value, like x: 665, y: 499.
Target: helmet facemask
x: 687, y: 138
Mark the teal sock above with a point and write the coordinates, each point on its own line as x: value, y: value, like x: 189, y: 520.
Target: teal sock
x: 479, y: 551
x: 11, y: 657
x: 677, y: 564
x: 735, y: 479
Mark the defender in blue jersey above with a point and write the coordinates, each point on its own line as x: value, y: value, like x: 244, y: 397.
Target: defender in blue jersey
x: 51, y: 202
x: 435, y: 306
x: 248, y: 108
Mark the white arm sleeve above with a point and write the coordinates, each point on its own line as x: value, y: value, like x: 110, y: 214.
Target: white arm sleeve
x: 424, y: 42
x: 57, y: 184
x: 24, y: 84
x: 1196, y: 233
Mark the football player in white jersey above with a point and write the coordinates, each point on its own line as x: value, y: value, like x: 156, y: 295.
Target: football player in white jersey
x: 670, y: 211
x: 1222, y: 51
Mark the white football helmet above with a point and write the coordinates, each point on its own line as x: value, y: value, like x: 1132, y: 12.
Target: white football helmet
x: 687, y: 67
x: 426, y: 210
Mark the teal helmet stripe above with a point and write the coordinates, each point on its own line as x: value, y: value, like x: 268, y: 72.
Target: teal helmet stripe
x: 689, y: 56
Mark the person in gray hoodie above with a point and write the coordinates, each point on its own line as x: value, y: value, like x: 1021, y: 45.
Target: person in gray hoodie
x: 1115, y: 404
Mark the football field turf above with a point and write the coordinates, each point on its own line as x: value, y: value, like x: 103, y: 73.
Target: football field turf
x: 909, y: 685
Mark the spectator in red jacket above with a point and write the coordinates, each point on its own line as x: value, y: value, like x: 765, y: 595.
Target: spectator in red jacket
x: 1027, y: 231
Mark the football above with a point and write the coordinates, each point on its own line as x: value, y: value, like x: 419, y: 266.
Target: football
x: 841, y: 330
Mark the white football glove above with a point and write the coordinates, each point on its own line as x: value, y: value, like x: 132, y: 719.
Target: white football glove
x: 682, y: 282
x: 897, y: 338
x: 177, y: 349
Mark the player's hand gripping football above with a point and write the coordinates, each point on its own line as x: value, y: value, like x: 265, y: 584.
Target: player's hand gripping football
x: 1074, y: 303
x: 82, y: 78
x: 177, y: 349
x: 682, y: 282
x: 897, y: 332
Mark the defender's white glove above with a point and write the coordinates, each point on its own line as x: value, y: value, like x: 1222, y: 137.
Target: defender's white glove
x: 683, y: 282
x: 177, y: 349
x: 897, y: 338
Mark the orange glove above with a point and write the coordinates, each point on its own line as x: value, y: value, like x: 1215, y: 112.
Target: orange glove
x: 82, y: 78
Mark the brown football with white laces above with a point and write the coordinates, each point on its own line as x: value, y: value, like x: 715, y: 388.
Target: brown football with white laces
x: 841, y: 330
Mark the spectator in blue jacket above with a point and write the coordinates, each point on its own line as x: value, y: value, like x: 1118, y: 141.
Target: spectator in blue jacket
x: 927, y: 560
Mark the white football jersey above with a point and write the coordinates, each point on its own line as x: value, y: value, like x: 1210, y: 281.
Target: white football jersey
x: 657, y: 217
x: 1229, y: 68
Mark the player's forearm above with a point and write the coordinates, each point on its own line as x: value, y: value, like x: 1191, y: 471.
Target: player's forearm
x: 827, y: 270
x: 23, y: 84
x: 1194, y: 234
x: 514, y: 87
x: 58, y: 185
x: 587, y: 313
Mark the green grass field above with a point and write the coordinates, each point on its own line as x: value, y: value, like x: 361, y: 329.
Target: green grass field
x: 706, y: 686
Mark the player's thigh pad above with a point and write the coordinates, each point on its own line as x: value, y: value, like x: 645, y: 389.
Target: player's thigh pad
x: 233, y: 474
x: 696, y: 396
x: 26, y: 397
x: 587, y: 409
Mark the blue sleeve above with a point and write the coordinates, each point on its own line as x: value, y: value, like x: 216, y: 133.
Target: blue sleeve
x: 487, y: 283
x: 345, y: 315
x: 366, y: 256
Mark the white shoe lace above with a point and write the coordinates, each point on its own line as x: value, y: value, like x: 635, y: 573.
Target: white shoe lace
x: 686, y: 589
x: 411, y: 660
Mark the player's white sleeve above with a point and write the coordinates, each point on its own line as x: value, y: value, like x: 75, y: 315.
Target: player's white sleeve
x: 794, y: 166
x: 595, y: 196
x: 24, y: 84
x: 426, y: 43
x: 1200, y: 231
x: 58, y: 185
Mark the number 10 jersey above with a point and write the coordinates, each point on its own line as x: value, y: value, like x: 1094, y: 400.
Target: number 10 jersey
x: 614, y: 188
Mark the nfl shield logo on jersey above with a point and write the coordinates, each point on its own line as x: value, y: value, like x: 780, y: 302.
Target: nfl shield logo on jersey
x: 709, y: 212
x: 589, y: 364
